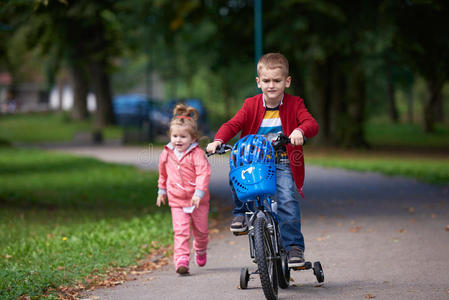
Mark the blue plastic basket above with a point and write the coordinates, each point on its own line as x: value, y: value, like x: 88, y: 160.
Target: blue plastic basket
x: 253, y: 170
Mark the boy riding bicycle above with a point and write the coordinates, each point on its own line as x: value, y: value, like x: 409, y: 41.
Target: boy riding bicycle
x: 269, y: 114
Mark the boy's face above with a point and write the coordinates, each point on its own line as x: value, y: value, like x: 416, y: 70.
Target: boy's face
x: 273, y: 82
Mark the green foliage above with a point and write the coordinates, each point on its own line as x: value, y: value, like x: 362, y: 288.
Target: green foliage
x: 51, y: 127
x: 63, y: 218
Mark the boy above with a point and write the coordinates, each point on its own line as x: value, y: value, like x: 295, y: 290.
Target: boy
x: 269, y: 114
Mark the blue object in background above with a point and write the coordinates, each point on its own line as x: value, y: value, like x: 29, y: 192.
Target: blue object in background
x: 134, y: 110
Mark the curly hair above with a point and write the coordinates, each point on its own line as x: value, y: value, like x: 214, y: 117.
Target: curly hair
x: 185, y: 116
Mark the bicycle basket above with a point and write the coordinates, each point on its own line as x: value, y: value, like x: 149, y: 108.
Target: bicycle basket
x: 253, y: 170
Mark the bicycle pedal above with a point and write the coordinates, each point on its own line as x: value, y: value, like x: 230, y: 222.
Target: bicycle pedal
x: 240, y: 233
x: 307, y: 265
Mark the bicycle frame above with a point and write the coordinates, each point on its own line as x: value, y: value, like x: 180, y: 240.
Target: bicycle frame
x: 261, y: 210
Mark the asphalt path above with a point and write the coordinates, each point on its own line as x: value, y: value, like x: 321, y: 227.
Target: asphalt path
x: 377, y: 237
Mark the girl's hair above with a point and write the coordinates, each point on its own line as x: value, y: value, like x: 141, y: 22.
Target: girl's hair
x: 185, y: 116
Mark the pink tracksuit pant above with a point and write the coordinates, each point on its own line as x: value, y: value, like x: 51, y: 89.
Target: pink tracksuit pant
x: 181, y: 227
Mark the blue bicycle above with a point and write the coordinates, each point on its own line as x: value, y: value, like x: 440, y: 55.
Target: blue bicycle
x: 253, y: 177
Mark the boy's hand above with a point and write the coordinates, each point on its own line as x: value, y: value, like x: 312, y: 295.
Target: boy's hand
x: 296, y: 138
x: 212, y: 147
x: 195, y: 201
x: 160, y: 199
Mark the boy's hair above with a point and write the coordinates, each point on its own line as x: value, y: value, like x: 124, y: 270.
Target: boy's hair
x: 273, y: 61
x: 185, y: 116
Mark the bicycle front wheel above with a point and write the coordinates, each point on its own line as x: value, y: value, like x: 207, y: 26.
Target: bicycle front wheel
x: 265, y: 258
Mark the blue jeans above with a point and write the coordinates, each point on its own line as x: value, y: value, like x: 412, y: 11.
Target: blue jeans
x: 289, y: 212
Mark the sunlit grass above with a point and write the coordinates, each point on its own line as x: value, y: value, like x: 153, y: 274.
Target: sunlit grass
x: 46, y: 127
x: 422, y: 167
x: 406, y: 135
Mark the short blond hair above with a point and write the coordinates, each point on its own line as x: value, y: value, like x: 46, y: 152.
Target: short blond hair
x: 273, y: 61
x: 185, y: 116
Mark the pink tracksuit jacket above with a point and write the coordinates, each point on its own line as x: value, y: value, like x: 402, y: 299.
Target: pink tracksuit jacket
x: 180, y: 180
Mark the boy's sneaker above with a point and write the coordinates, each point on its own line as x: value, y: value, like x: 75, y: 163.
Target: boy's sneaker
x: 295, y: 257
x: 239, y: 224
x: 182, y: 266
x: 201, y: 258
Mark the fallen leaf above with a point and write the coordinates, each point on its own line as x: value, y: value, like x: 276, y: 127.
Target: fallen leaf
x: 232, y: 242
x: 214, y: 231
x: 402, y: 230
x: 434, y: 216
x: 411, y: 210
x: 369, y: 296
x: 10, y: 256
x: 356, y: 228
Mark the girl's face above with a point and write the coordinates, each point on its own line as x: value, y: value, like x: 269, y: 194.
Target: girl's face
x: 180, y: 138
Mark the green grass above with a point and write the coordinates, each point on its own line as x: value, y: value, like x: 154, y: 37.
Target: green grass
x: 46, y: 127
x: 406, y: 135
x: 63, y: 218
x: 424, y: 168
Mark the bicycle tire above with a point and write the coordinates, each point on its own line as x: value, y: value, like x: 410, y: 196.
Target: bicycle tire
x: 264, y: 258
x: 283, y: 271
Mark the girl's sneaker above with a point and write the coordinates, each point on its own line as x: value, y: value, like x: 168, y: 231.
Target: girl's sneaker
x: 182, y: 266
x: 201, y: 257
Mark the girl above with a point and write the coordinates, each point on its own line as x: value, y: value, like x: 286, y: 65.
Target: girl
x: 184, y: 174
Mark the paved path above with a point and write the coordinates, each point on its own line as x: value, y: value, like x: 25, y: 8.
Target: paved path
x: 377, y: 237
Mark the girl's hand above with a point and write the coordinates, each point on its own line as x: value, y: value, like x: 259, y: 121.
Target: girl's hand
x: 296, y: 138
x: 195, y: 201
x: 212, y: 147
x: 160, y: 199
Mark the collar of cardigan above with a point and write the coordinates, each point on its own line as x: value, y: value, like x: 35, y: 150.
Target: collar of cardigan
x: 264, y: 103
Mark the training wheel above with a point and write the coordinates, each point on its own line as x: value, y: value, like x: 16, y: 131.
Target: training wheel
x: 318, y: 271
x: 244, y: 278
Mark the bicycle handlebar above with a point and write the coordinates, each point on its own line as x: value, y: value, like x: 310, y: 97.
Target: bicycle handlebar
x: 280, y: 141
x: 221, y: 150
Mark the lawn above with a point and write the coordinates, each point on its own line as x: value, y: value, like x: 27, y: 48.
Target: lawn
x: 46, y: 127
x: 64, y: 218
x: 412, y: 136
x: 396, y: 149
x: 423, y: 167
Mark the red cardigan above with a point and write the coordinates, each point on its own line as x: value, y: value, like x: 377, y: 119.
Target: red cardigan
x: 293, y: 114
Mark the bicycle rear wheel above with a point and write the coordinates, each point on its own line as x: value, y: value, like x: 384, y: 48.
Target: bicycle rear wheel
x: 265, y: 258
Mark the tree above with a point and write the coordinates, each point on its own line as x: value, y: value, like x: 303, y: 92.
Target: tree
x: 86, y: 37
x: 330, y: 44
x: 421, y: 40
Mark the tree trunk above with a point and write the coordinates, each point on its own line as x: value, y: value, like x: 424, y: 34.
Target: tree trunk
x: 80, y: 91
x: 350, y: 123
x: 410, y: 100
x: 320, y: 100
x: 435, y: 89
x: 439, y: 108
x: 102, y: 89
x: 393, y: 112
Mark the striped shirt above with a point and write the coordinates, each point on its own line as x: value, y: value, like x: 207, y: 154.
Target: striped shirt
x: 271, y: 127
